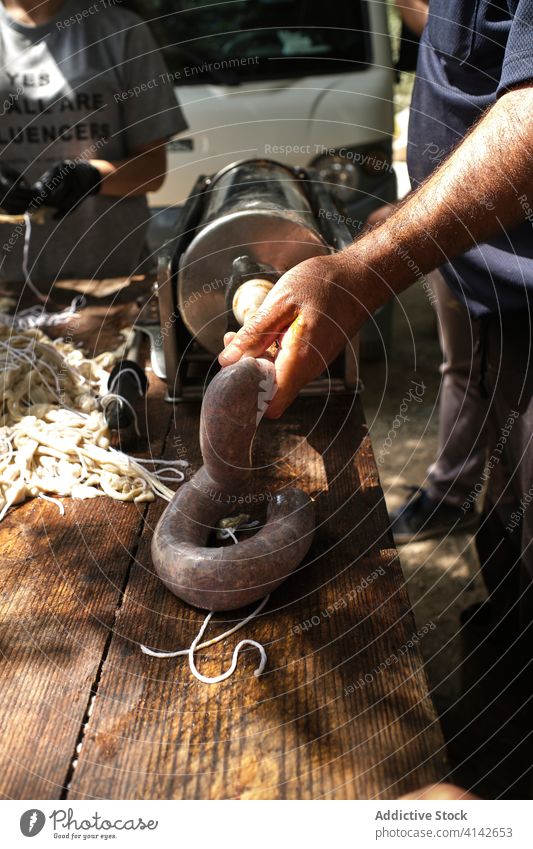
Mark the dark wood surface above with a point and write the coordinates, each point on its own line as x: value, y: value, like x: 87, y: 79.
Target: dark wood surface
x: 342, y: 710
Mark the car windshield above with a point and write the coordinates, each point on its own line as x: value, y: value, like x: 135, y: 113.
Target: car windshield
x: 242, y: 40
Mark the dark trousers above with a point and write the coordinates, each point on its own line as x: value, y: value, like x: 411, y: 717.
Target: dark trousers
x: 505, y: 538
x: 503, y: 706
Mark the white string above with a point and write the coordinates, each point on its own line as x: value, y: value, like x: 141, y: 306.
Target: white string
x: 230, y: 533
x: 168, y: 472
x: 121, y: 373
x: 106, y: 400
x: 196, y: 645
x: 34, y: 317
x: 64, y: 436
x: 55, y: 501
x: 176, y: 477
x: 33, y: 362
x: 183, y: 463
x: 218, y: 678
x: 25, y: 257
x: 37, y: 316
x: 213, y: 640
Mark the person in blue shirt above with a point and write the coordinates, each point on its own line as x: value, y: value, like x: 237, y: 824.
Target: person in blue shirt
x: 471, y: 215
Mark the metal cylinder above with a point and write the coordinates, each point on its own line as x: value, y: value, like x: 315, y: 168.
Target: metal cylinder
x: 255, y: 208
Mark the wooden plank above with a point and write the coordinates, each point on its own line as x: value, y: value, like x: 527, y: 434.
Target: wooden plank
x: 61, y: 582
x: 306, y: 728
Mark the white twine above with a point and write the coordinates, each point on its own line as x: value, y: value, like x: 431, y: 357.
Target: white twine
x: 111, y: 398
x: 169, y: 470
x: 196, y: 646
x: 121, y: 373
x: 229, y: 672
x: 157, y: 474
x: 37, y: 316
x: 59, y: 504
x: 52, y: 427
x: 230, y: 533
x: 26, y: 255
x: 33, y: 317
x: 9, y: 503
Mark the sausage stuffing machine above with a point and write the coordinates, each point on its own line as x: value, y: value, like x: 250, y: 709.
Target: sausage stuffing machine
x: 240, y: 230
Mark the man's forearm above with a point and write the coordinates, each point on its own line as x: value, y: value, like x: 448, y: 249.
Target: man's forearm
x: 137, y: 175
x: 476, y: 194
x: 414, y: 13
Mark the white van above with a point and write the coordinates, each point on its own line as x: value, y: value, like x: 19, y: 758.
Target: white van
x: 299, y: 81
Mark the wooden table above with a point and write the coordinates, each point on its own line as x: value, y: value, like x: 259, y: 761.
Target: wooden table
x: 342, y: 710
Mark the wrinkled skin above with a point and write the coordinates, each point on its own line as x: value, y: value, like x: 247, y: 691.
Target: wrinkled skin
x: 229, y: 577
x: 312, y: 313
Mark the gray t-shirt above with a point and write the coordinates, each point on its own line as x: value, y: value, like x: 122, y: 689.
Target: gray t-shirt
x: 81, y: 85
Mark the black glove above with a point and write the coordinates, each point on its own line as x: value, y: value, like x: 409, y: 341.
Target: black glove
x: 16, y: 194
x: 66, y: 184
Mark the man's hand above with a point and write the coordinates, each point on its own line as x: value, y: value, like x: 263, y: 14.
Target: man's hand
x: 312, y: 313
x: 15, y: 193
x: 66, y: 184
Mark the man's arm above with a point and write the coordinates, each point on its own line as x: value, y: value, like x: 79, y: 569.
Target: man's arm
x: 144, y: 171
x: 414, y: 13
x: 69, y: 182
x: 473, y: 196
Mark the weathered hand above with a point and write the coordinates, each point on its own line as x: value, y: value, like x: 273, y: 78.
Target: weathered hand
x: 312, y: 312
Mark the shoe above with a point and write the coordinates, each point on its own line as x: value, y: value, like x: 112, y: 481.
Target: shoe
x: 422, y: 517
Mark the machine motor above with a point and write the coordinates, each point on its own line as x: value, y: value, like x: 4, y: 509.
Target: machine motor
x: 239, y: 232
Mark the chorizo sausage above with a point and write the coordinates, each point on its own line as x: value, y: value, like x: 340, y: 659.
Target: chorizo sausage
x: 228, y: 577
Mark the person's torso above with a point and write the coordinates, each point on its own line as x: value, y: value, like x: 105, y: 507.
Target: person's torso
x: 57, y: 101
x: 57, y: 89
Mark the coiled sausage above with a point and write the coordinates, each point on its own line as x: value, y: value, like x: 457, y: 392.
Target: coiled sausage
x: 228, y: 577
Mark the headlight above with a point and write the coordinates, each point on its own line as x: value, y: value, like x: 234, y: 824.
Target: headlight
x: 341, y: 176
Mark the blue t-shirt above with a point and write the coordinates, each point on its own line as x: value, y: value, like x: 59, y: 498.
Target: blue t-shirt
x: 471, y: 52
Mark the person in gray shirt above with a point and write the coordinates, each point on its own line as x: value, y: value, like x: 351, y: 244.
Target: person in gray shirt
x: 86, y: 107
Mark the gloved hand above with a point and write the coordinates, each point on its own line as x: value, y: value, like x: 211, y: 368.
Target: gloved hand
x: 66, y: 184
x: 16, y: 193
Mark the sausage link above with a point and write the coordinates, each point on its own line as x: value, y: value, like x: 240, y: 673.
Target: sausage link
x: 228, y: 577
